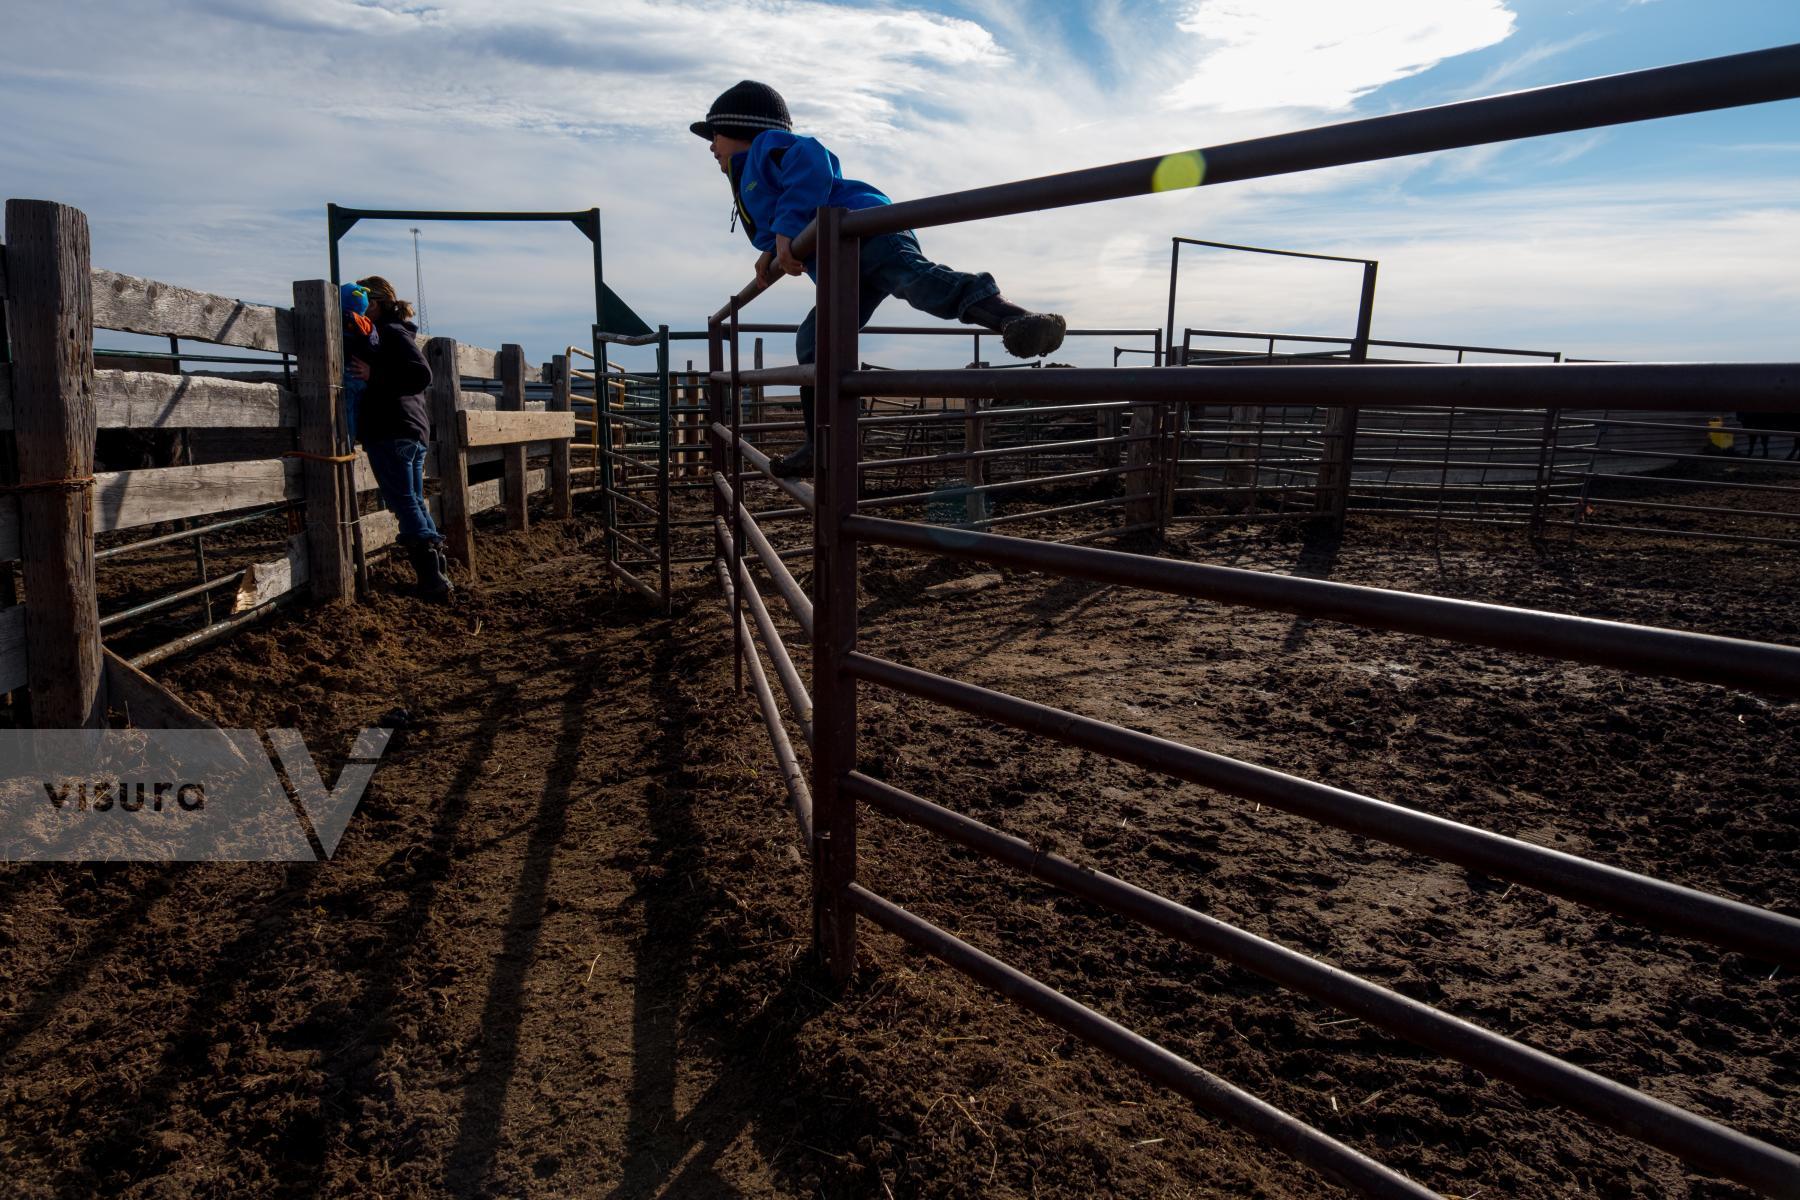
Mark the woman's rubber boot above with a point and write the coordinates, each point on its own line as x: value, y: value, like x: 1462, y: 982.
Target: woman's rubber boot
x: 443, y: 561
x: 1024, y: 334
x: 433, y: 583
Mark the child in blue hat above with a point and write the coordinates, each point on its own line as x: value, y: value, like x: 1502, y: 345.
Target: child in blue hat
x: 779, y: 179
x: 360, y: 342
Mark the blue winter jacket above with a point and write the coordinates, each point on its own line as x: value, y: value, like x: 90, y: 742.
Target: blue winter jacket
x: 783, y: 179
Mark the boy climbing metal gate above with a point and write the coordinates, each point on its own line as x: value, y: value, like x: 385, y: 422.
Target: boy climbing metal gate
x: 779, y: 180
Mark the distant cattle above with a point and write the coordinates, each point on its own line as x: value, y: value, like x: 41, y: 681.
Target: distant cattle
x: 1779, y: 422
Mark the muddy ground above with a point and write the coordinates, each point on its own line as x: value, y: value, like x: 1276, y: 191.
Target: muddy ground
x: 561, y: 950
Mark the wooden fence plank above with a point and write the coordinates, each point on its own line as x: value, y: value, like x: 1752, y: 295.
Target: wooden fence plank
x: 381, y: 529
x: 264, y: 581
x: 12, y: 647
x: 483, y: 496
x: 128, y: 499
x: 135, y: 305
x: 50, y: 321
x: 365, y: 474
x: 475, y: 363
x: 146, y: 703
x: 510, y: 428
x: 488, y: 454
x: 472, y: 362
x: 365, y: 478
x: 158, y: 400
x: 484, y: 402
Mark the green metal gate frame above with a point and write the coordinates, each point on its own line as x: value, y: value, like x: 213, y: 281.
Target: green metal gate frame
x: 610, y: 312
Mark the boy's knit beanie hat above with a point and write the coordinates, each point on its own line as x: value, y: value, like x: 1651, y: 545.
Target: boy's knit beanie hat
x: 743, y: 111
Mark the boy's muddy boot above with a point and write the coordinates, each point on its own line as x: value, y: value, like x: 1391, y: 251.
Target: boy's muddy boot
x: 434, y: 584
x: 1024, y: 334
x: 798, y: 464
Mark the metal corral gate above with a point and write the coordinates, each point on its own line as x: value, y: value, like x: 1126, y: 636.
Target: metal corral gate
x: 1545, y: 469
x: 629, y: 423
x: 948, y: 460
x: 827, y: 811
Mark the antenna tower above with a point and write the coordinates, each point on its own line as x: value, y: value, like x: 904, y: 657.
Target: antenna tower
x: 419, y: 285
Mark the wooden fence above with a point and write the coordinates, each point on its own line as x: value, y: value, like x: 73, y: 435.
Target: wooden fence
x: 53, y: 402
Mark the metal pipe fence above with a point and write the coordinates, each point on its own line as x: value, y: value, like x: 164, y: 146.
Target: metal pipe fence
x: 830, y: 820
x: 911, y: 440
x: 1251, y: 460
x: 636, y: 406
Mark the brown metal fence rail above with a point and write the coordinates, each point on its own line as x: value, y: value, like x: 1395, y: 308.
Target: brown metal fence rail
x: 952, y: 461
x: 1581, y: 470
x: 827, y: 810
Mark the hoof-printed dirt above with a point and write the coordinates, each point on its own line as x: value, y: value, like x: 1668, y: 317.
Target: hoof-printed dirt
x: 562, y: 951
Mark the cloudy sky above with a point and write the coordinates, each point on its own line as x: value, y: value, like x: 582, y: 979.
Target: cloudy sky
x: 204, y: 138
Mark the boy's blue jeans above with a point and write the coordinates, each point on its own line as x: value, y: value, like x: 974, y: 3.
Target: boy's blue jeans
x: 399, y: 467
x: 892, y: 265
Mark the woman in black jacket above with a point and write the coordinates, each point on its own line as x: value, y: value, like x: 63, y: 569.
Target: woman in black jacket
x: 394, y: 426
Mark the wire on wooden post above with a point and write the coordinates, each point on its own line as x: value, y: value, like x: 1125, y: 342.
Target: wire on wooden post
x: 318, y: 384
x: 49, y: 296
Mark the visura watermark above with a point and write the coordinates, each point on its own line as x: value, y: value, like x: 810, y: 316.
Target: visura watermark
x: 101, y: 795
x: 218, y: 795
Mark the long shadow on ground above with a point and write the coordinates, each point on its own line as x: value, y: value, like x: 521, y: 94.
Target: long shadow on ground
x: 471, y: 1162
x: 128, y: 1150
x: 683, y: 1020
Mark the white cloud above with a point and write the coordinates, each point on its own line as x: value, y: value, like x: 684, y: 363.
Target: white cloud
x: 1324, y: 53
x: 217, y: 178
x: 1631, y: 270
x: 1523, y: 63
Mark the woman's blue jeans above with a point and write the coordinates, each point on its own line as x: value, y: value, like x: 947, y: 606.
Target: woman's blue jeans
x: 399, y: 467
x: 893, y: 265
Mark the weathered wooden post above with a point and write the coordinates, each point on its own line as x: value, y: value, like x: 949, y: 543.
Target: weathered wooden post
x: 452, y: 458
x: 562, y: 501
x: 50, y: 308
x: 318, y: 384
x: 1337, y: 466
x: 974, y: 469
x: 510, y: 365
x: 1336, y: 459
x: 1546, y: 470
x: 1240, y: 456
x: 1142, y: 456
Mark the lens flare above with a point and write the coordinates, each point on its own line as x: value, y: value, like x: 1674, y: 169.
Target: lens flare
x: 1184, y: 170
